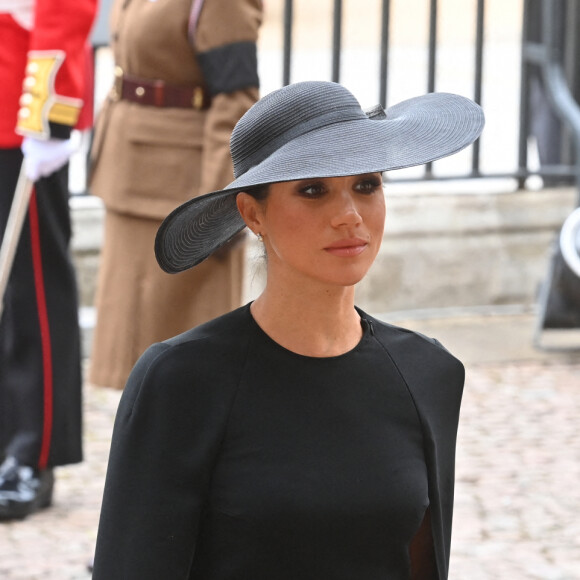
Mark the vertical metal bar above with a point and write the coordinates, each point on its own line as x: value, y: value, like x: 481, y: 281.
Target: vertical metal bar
x: 336, y: 40
x: 573, y: 35
x: 570, y: 50
x: 287, y: 50
x: 432, y: 62
x: 479, y: 34
x: 383, y: 73
x: 432, y: 46
x: 551, y: 16
x: 554, y: 23
x: 524, y: 99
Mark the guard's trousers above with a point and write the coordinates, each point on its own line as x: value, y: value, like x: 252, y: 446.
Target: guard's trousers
x: 40, y: 358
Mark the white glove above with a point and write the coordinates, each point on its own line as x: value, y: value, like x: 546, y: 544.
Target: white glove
x: 42, y: 158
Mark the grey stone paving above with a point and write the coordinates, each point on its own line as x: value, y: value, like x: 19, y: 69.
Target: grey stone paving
x: 518, y: 469
x: 517, y: 493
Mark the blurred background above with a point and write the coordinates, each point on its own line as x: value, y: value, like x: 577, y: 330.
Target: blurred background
x: 470, y: 256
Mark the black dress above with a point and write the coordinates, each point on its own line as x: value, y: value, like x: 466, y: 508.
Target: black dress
x: 234, y: 458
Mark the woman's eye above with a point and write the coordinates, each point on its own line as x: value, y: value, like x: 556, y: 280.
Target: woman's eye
x: 368, y: 185
x: 312, y: 190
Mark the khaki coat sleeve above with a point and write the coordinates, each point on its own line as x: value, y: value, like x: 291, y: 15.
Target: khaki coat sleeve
x: 224, y: 34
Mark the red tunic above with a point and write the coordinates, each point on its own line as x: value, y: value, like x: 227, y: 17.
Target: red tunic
x: 45, y: 68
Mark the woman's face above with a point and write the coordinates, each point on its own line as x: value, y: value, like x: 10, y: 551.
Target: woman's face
x: 325, y: 229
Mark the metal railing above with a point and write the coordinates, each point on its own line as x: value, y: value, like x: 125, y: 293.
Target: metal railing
x: 550, y: 44
x: 545, y: 58
x: 542, y: 54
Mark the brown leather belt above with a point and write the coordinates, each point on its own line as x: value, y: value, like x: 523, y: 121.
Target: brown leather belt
x: 157, y: 93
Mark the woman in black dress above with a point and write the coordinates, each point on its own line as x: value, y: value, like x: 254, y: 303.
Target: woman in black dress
x: 297, y: 438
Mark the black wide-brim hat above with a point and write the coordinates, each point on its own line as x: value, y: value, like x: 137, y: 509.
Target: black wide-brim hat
x: 308, y: 130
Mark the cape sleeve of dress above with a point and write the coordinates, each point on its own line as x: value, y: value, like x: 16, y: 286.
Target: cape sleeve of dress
x: 167, y: 432
x: 435, y: 380
x: 224, y: 34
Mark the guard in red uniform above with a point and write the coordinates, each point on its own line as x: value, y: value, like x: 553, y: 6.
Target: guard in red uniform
x: 44, y: 81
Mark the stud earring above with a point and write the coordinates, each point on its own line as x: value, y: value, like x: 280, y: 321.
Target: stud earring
x: 259, y: 236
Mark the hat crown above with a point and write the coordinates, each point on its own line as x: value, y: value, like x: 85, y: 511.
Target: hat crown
x: 285, y: 114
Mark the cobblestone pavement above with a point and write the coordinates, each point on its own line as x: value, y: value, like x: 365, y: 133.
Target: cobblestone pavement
x: 517, y: 493
x: 518, y: 474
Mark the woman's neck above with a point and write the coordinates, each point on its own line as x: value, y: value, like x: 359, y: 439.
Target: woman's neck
x: 314, y: 322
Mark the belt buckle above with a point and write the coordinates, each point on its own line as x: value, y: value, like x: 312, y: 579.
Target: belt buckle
x: 197, y: 99
x: 117, y: 89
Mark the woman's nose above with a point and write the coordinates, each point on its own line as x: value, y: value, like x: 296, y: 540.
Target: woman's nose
x: 346, y: 211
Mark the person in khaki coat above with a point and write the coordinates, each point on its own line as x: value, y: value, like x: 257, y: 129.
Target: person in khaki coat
x: 186, y: 71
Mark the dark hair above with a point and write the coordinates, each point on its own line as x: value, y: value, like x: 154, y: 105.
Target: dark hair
x: 259, y: 192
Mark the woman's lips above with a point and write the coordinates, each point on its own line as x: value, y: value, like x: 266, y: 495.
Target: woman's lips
x: 347, y: 248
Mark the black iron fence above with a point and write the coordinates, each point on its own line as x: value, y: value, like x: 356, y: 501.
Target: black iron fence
x: 550, y: 87
x: 383, y: 71
x: 549, y: 79
x: 550, y: 56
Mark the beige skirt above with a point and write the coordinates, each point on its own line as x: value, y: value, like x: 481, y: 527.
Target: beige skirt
x: 139, y: 304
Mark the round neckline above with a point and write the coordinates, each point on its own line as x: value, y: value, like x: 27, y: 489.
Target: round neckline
x: 365, y: 325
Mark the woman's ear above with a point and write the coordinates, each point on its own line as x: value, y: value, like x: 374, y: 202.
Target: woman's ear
x: 251, y: 211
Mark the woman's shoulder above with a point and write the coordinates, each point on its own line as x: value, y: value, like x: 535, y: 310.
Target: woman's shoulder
x: 411, y: 342
x: 432, y: 374
x: 224, y: 332
x: 424, y: 362
x: 209, y: 357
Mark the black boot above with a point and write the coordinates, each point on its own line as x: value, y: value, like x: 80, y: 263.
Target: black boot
x: 23, y: 490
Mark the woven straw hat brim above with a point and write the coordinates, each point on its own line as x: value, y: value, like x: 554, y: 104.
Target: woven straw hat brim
x: 414, y: 132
